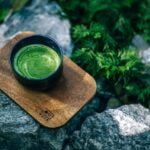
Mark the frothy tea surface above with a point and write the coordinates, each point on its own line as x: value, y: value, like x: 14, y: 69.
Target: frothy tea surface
x: 36, y: 61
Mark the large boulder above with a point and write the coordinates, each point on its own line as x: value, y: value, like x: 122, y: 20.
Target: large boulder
x: 124, y: 128
x: 19, y: 131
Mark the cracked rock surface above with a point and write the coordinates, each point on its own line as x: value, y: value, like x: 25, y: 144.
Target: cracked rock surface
x: 19, y: 131
x: 127, y: 127
x: 124, y: 128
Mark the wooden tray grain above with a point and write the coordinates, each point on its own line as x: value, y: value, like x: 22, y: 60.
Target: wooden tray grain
x: 55, y: 107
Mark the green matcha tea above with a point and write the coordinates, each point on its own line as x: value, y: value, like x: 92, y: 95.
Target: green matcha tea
x: 36, y: 61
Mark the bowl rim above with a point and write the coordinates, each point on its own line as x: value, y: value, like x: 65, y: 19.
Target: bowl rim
x: 40, y: 36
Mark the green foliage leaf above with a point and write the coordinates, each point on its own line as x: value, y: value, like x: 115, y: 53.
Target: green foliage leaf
x: 102, y: 32
x: 3, y: 14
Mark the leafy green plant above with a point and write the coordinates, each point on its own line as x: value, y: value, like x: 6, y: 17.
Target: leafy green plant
x: 122, y: 19
x: 3, y: 14
x: 102, y: 32
x: 123, y: 69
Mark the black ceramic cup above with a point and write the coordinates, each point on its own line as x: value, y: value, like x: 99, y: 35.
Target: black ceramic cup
x: 44, y: 83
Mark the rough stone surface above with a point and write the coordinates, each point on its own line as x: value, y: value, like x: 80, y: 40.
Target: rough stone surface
x: 145, y: 54
x: 139, y: 43
x: 42, y: 17
x: 19, y: 131
x: 125, y: 128
x: 144, y: 48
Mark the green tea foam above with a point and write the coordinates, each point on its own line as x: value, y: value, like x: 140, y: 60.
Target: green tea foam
x: 36, y: 61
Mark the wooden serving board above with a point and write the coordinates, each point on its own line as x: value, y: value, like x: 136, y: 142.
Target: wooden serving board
x: 55, y: 107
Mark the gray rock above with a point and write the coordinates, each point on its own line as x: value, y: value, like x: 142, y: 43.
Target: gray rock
x: 125, y: 128
x: 139, y: 42
x: 19, y: 131
x: 42, y: 17
x: 143, y: 47
x: 15, y: 125
x: 145, y: 55
x: 88, y: 110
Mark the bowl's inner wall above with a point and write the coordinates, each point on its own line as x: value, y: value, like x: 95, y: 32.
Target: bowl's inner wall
x: 37, y: 39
